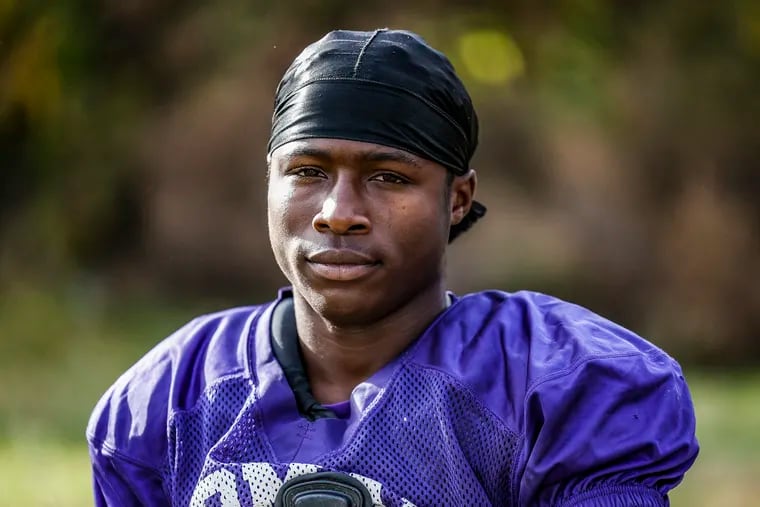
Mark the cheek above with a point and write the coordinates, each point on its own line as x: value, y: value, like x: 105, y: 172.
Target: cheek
x: 420, y: 225
x: 280, y: 206
x: 278, y: 195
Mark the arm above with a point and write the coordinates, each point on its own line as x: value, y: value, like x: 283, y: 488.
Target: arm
x: 608, y: 431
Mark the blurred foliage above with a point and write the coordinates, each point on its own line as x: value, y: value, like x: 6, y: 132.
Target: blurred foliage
x: 618, y: 154
x: 61, y: 349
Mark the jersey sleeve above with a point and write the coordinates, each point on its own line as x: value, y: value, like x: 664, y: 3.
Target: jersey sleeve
x: 127, y: 437
x: 117, y: 481
x: 608, y: 431
x: 128, y: 430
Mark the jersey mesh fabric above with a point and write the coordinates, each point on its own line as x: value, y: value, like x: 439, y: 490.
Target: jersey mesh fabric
x: 193, y: 433
x: 429, y: 441
x: 432, y: 441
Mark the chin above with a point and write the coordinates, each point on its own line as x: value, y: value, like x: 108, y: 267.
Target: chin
x: 344, y: 306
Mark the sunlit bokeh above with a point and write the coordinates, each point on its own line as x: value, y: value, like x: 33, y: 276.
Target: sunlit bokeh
x: 490, y: 57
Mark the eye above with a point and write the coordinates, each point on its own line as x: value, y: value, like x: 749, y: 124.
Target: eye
x: 307, y: 172
x: 390, y: 178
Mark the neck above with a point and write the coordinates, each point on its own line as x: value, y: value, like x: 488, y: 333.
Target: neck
x: 337, y: 358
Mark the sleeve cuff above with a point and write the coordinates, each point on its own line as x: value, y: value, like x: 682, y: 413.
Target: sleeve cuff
x: 617, y: 496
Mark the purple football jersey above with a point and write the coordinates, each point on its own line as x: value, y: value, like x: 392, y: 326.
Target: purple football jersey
x: 506, y: 399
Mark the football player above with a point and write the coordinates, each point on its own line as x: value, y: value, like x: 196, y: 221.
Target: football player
x: 366, y: 382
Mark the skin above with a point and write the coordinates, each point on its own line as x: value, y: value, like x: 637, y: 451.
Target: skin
x: 360, y: 231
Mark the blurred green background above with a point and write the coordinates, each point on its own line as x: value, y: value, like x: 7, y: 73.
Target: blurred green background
x: 618, y: 158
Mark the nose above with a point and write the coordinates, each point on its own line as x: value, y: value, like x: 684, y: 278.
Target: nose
x: 343, y: 210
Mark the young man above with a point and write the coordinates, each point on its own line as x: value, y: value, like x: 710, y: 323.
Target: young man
x: 366, y: 383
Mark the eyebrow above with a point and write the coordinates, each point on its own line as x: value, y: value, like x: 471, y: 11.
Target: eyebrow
x: 387, y: 155
x: 391, y: 156
x: 307, y: 151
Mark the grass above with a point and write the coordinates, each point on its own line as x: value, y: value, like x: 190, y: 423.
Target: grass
x: 44, y: 473
x: 59, y: 352
x: 728, y: 428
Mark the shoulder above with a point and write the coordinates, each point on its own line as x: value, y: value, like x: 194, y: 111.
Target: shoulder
x: 600, y: 410
x: 506, y: 345
x: 555, y: 335
x: 131, y: 418
x: 550, y: 325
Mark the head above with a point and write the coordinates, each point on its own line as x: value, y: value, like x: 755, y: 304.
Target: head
x: 369, y: 175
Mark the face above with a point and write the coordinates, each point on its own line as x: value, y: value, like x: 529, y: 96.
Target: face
x: 360, y: 229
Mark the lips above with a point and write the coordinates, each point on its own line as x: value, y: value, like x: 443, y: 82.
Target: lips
x: 341, y: 265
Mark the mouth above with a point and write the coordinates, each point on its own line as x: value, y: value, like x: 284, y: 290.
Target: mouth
x: 341, y: 265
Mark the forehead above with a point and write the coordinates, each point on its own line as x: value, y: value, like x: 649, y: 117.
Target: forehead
x: 349, y: 150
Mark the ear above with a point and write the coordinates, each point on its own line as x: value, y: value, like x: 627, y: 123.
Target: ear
x: 462, y: 195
